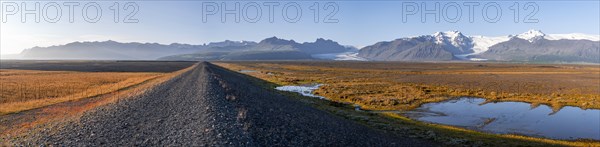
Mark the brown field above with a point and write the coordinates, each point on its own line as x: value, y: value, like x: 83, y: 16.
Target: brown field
x: 29, y: 89
x: 390, y: 121
x: 29, y: 85
x: 70, y: 93
x: 405, y: 86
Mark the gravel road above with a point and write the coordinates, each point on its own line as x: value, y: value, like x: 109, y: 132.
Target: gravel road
x: 212, y: 106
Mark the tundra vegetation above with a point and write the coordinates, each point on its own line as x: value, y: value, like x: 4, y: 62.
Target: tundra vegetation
x: 405, y: 86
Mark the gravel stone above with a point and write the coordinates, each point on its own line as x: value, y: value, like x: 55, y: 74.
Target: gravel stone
x: 212, y: 106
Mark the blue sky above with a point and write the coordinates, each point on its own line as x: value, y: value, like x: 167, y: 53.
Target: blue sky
x: 359, y: 23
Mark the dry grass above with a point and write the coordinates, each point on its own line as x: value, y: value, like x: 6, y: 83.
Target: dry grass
x: 365, y: 78
x: 30, y: 89
x: 19, y: 123
x: 404, y: 86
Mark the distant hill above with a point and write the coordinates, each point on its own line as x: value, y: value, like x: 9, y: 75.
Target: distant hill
x: 440, y: 46
x: 531, y: 46
x: 544, y: 50
x: 112, y: 50
x: 245, y: 55
x: 268, y: 49
x: 408, y: 49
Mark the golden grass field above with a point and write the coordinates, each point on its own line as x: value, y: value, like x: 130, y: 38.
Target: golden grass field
x: 412, y: 76
x: 67, y: 94
x: 30, y: 89
x: 404, y: 86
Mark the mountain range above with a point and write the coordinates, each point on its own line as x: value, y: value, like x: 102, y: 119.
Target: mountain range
x: 268, y: 49
x: 531, y: 46
x: 112, y: 50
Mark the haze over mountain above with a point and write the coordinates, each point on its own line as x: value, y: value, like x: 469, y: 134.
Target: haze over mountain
x: 531, y: 46
x: 112, y: 50
x: 268, y: 49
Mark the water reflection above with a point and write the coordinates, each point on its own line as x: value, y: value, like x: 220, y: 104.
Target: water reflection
x: 512, y: 118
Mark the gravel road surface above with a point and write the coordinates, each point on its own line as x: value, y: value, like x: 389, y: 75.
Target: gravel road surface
x: 212, y: 106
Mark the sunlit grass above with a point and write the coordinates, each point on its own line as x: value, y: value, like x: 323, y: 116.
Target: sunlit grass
x: 406, y: 86
x: 29, y: 89
x: 52, y: 111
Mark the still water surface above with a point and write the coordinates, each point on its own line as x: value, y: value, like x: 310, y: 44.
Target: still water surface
x: 512, y: 118
x: 501, y: 117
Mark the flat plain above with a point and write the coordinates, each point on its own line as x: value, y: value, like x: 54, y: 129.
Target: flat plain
x: 390, y: 87
x: 33, y: 84
x: 405, y: 85
x: 93, y: 103
x: 201, y: 105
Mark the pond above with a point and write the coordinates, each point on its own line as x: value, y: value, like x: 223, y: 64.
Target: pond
x: 305, y: 90
x: 502, y: 117
x: 512, y: 118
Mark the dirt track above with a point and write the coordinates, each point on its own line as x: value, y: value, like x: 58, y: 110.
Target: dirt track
x: 212, y: 106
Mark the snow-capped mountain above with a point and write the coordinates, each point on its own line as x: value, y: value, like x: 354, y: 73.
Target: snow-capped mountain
x: 483, y: 43
x: 460, y: 45
x: 455, y: 38
x: 536, y: 46
x: 533, y: 35
x: 544, y: 50
x: 440, y: 46
x: 453, y: 41
x: 533, y: 45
